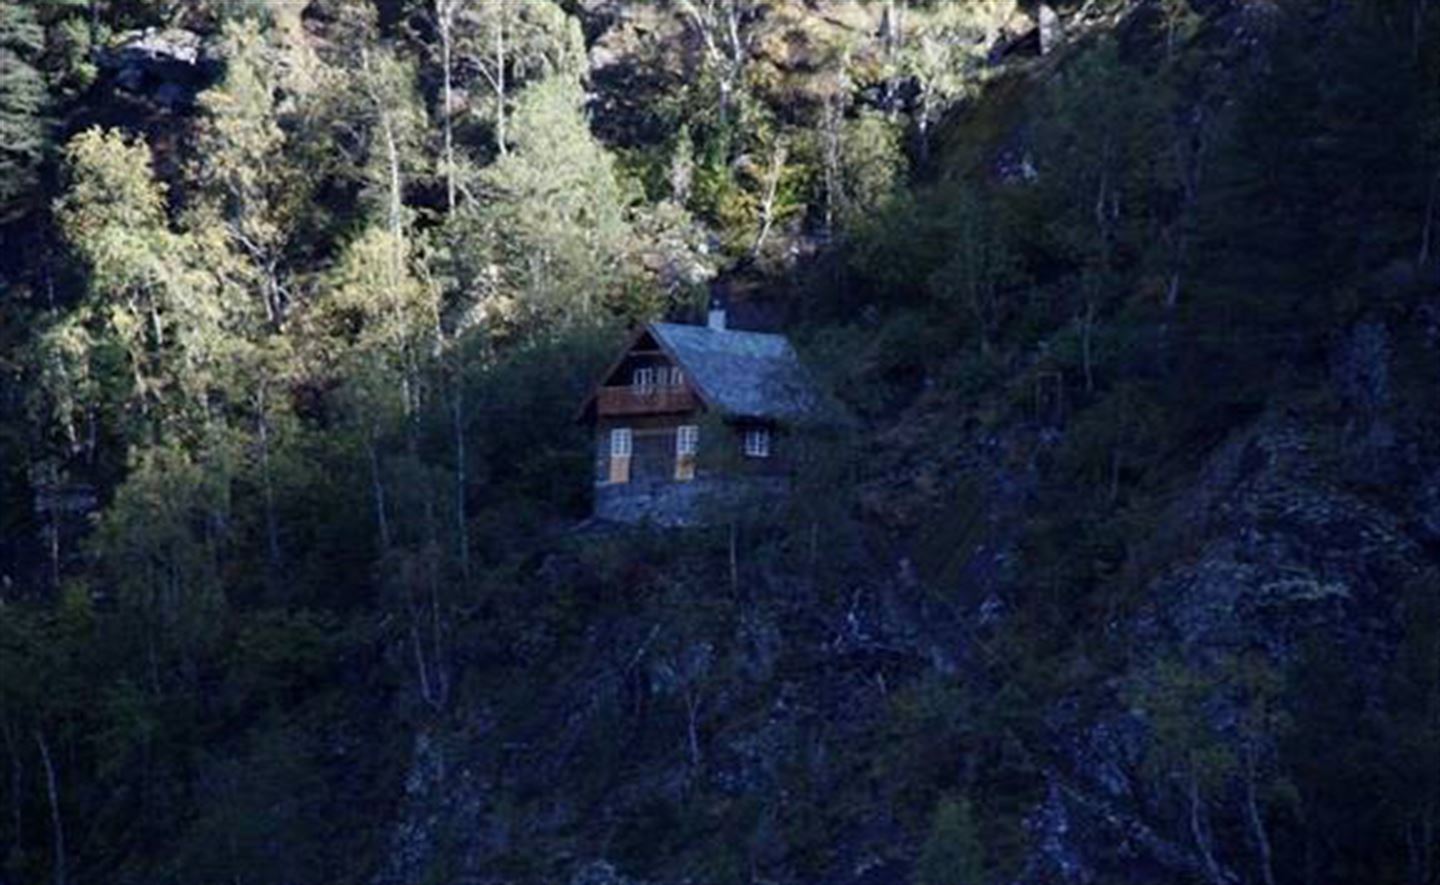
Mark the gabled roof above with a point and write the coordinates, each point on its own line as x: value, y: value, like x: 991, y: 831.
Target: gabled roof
x: 737, y: 374
x: 741, y: 374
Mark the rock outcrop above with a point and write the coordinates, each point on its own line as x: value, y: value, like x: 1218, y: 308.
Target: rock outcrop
x: 166, y: 67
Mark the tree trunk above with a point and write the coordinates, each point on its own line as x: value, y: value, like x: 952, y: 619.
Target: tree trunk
x: 499, y: 81
x: 272, y: 529
x: 377, y: 488
x: 736, y: 61
x: 421, y: 671
x: 462, y: 528
x: 1198, y: 833
x: 772, y: 189
x: 692, y: 726
x: 1257, y: 823
x: 892, y: 36
x: 833, y: 197
x: 445, y: 17
x: 394, y: 215
x: 437, y: 639
x: 52, y: 789
x: 52, y: 533
x: 17, y: 773
x: 1428, y: 227
x: 1087, y: 328
x: 922, y: 125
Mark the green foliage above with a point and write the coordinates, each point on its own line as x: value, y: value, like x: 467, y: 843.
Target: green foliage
x: 23, y: 124
x: 243, y: 174
x: 555, y: 225
x: 952, y: 854
x: 981, y: 268
x: 163, y: 540
x: 872, y: 169
x: 114, y: 211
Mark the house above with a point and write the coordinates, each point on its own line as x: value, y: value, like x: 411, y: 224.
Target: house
x: 691, y: 414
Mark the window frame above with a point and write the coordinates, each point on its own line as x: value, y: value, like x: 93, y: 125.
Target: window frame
x: 756, y: 442
x: 687, y: 439
x: 687, y: 446
x: 622, y: 442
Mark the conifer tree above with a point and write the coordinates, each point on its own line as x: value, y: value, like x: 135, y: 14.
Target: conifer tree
x: 952, y: 853
x: 23, y: 99
x: 555, y: 217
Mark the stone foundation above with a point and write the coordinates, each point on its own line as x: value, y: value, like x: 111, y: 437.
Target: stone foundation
x: 669, y: 503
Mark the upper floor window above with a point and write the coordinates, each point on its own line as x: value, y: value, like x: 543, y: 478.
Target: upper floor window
x: 677, y: 377
x: 757, y: 442
x: 644, y: 379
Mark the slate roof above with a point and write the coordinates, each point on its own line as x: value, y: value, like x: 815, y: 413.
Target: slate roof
x: 743, y: 374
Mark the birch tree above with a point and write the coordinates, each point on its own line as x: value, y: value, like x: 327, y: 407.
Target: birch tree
x: 721, y: 27
x: 499, y: 47
x: 154, y: 293
x: 243, y: 169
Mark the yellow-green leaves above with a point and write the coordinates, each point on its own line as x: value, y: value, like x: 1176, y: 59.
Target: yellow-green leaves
x: 160, y: 295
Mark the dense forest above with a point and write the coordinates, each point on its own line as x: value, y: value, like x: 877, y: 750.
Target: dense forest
x: 1127, y: 569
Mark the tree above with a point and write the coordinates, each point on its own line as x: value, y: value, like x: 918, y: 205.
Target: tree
x: 23, y: 100
x: 1097, y: 152
x: 501, y: 46
x: 163, y: 543
x: 243, y: 169
x: 388, y: 108
x: 46, y: 709
x: 943, y: 59
x: 1186, y: 752
x: 376, y: 316
x: 157, y: 352
x: 555, y: 215
x: 952, y: 854
x: 870, y: 169
x: 981, y: 266
x: 153, y: 292
x: 722, y: 29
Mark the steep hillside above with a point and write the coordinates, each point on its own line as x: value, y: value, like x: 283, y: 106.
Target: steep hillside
x: 1127, y: 570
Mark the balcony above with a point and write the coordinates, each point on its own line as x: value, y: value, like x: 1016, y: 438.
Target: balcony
x: 644, y: 400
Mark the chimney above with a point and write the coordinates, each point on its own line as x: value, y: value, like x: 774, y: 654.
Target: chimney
x: 719, y: 290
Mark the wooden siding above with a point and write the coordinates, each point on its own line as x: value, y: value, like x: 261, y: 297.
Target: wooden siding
x: 612, y: 401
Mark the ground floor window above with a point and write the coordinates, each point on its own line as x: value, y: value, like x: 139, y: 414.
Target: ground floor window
x: 687, y: 443
x: 757, y: 442
x: 622, y: 445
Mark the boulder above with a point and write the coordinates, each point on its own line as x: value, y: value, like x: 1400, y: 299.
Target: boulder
x: 1051, y: 31
x: 168, y: 66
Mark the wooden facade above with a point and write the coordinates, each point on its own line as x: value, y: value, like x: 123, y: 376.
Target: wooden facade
x: 677, y: 413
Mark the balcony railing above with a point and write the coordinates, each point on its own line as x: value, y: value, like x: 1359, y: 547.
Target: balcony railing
x: 644, y: 400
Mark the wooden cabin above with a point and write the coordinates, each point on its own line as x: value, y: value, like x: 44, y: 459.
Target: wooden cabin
x: 689, y: 413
